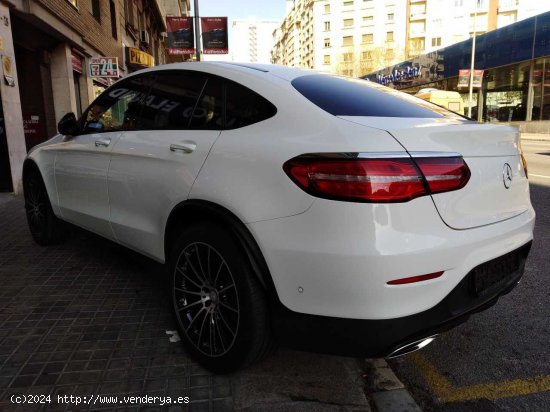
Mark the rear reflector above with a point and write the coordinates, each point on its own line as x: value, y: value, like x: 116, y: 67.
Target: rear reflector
x: 414, y: 279
x: 376, y: 180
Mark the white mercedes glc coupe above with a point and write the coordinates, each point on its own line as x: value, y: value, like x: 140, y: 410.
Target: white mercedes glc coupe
x: 290, y: 206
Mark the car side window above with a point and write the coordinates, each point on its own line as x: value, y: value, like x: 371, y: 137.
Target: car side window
x: 119, y: 107
x: 208, y: 113
x: 245, y: 107
x: 172, y: 100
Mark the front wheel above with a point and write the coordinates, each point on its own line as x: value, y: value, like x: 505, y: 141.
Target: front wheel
x: 45, y: 227
x: 219, y: 305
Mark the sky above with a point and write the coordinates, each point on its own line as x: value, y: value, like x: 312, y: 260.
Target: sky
x: 241, y: 9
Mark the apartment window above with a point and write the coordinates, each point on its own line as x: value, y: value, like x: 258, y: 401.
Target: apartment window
x: 347, y: 41
x: 326, y: 59
x: 367, y: 38
x: 327, y: 42
x: 390, y: 54
x: 95, y: 10
x: 368, y: 19
x: 459, y: 3
x: 327, y: 8
x: 389, y: 36
x: 368, y: 3
x: 366, y: 55
x: 327, y: 26
x: 112, y: 10
x: 390, y: 16
x: 348, y: 22
x: 436, y: 41
x: 347, y: 57
x: 348, y: 3
x: 129, y: 12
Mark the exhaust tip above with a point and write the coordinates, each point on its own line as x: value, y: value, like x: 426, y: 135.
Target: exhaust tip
x: 411, y: 347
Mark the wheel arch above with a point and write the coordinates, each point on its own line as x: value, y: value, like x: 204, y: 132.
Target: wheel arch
x: 195, y: 210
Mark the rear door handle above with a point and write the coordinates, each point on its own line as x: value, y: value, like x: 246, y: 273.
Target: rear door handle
x: 185, y: 147
x: 102, y: 142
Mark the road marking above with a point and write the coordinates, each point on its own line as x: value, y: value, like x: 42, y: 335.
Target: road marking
x: 545, y: 177
x: 492, y: 391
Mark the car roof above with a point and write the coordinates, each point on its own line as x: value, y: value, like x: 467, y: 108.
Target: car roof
x: 252, y: 69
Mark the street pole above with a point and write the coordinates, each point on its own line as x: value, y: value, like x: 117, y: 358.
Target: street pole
x: 472, y: 63
x: 197, y: 32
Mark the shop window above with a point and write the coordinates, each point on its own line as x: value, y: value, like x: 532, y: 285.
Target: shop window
x: 506, y: 95
x: 541, y: 90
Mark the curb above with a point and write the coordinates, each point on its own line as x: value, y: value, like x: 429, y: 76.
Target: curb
x: 386, y: 391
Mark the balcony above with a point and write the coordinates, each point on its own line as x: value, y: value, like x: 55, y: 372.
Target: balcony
x: 507, y: 5
x: 418, y: 16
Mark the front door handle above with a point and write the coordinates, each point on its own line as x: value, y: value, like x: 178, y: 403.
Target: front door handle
x: 185, y: 147
x: 102, y: 142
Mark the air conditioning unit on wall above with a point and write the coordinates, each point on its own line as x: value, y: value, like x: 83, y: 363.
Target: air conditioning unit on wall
x: 144, y: 36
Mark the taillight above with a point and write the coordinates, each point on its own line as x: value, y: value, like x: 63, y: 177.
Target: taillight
x: 444, y: 174
x: 376, y: 180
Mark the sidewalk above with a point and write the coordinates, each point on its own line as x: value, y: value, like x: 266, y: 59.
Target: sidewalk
x: 89, y: 318
x: 536, y: 136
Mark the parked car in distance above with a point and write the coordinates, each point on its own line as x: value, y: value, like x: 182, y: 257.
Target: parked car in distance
x: 290, y: 206
x: 448, y: 99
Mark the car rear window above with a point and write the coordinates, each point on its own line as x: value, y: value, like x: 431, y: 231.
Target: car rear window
x: 343, y: 96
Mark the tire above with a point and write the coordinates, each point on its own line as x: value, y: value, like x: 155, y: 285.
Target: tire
x: 45, y: 227
x: 220, y: 308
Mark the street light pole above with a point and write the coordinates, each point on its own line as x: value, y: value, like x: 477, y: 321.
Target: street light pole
x: 472, y: 62
x: 197, y: 32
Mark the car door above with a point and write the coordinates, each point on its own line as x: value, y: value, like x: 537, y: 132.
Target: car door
x: 153, y: 167
x: 82, y: 161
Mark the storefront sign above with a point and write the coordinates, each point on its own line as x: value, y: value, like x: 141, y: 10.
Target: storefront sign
x: 399, y: 75
x: 464, y: 78
x: 214, y: 35
x: 76, y: 62
x: 104, y: 67
x: 181, y: 39
x: 139, y: 58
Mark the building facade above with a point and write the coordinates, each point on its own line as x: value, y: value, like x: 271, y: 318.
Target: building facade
x: 515, y: 84
x: 355, y: 37
x: 47, y: 47
x: 252, y: 40
x: 432, y: 24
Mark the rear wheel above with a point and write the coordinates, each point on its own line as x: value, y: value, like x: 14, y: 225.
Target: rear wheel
x: 45, y: 227
x: 219, y: 305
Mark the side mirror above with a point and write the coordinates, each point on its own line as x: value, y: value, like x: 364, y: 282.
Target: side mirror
x: 68, y: 125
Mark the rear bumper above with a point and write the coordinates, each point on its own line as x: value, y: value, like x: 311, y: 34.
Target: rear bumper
x: 479, y: 289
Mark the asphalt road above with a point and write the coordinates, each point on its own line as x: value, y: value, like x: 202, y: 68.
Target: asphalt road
x: 500, y: 359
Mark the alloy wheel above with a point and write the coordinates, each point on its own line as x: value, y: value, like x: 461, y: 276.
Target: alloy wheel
x: 205, y: 299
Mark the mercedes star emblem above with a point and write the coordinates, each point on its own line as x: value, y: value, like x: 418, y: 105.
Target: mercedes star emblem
x: 507, y: 175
